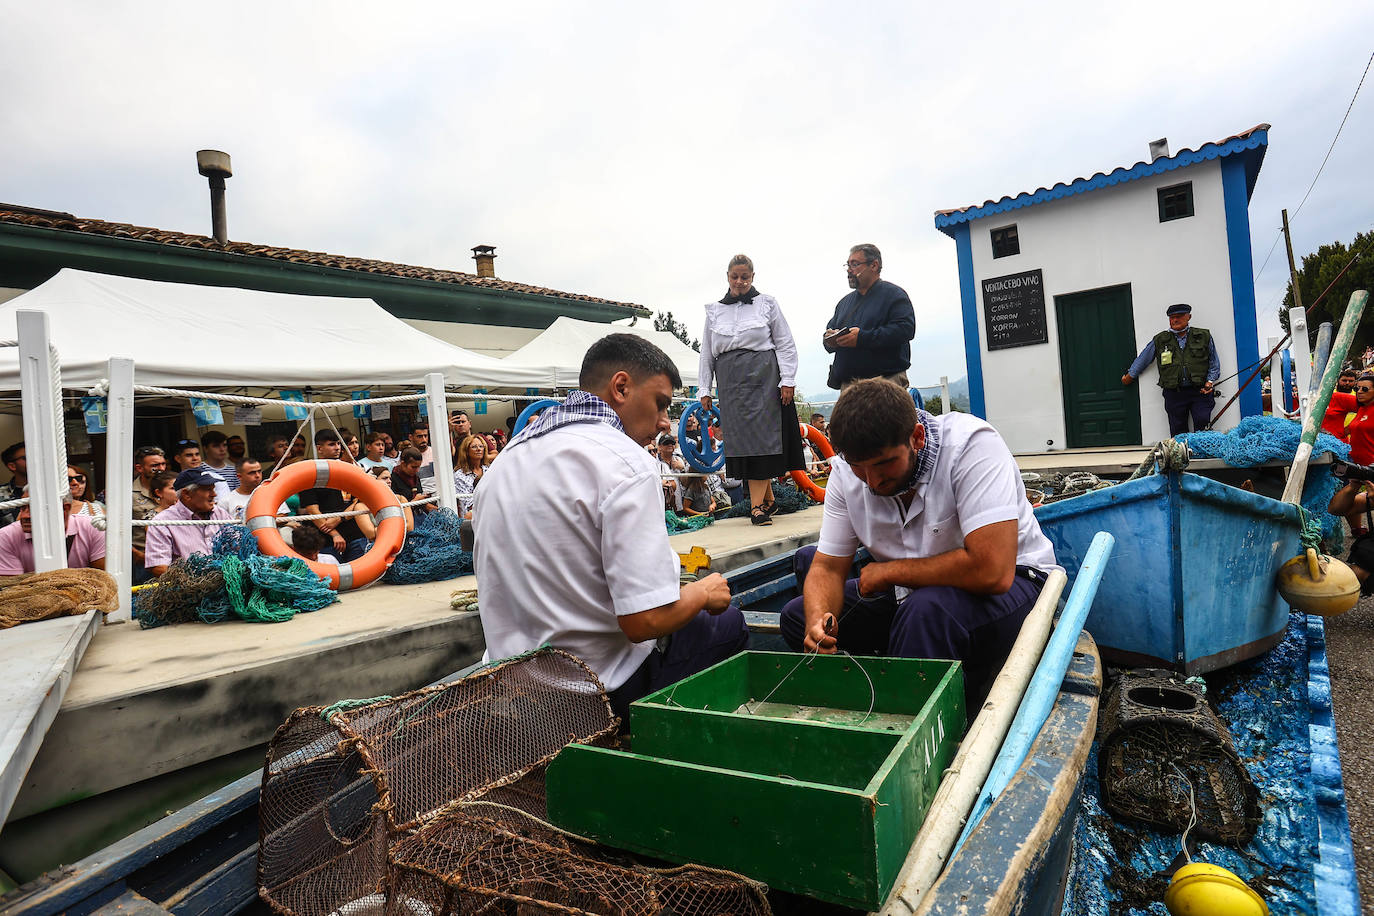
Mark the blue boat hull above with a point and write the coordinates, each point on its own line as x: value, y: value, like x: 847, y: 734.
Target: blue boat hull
x: 1190, y: 584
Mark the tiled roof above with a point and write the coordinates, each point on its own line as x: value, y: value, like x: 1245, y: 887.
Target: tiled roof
x: 49, y: 219
x: 1254, y: 140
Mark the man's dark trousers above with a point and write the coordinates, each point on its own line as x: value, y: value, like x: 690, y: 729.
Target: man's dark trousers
x: 934, y: 622
x: 707, y: 639
x: 1180, y: 403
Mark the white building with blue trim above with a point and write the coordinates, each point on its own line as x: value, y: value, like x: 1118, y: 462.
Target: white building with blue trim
x: 1062, y: 286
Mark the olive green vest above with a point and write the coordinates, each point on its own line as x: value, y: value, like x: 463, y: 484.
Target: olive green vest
x: 1171, y: 359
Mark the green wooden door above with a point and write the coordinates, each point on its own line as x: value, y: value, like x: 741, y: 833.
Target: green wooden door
x: 1096, y: 344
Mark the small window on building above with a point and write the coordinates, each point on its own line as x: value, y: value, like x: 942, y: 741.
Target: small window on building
x: 1176, y: 202
x: 1005, y: 242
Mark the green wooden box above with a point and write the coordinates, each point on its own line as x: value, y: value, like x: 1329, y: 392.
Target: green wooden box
x: 820, y: 790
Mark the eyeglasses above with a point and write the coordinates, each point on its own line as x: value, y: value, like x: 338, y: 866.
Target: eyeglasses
x: 1364, y: 387
x: 76, y: 478
x: 855, y: 265
x: 182, y: 443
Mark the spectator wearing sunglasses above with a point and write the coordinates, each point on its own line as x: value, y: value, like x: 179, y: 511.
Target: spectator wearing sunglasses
x: 1360, y: 428
x: 82, y: 502
x: 85, y: 545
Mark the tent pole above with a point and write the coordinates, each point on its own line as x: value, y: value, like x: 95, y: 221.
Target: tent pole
x: 436, y: 403
x: 40, y: 388
x: 119, y: 472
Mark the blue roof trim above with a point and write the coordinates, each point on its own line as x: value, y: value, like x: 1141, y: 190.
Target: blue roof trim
x: 1252, y: 146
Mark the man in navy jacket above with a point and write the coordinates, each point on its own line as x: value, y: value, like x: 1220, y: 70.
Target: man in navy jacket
x: 872, y: 328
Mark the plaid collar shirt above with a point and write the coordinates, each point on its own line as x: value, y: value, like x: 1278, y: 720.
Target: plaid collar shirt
x: 580, y: 407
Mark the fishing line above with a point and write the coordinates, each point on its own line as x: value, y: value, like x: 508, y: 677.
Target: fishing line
x: 872, y: 690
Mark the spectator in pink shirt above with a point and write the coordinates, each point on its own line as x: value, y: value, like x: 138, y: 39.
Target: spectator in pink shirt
x: 85, y: 545
x: 195, y: 500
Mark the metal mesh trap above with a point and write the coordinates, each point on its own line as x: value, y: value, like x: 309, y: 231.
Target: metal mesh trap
x: 497, y: 854
x: 342, y: 785
x: 1164, y: 753
x: 432, y: 803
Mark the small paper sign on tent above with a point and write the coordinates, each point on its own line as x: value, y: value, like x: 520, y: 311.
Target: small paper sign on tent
x: 293, y: 412
x: 247, y: 416
x: 479, y: 406
x: 207, y: 412
x: 381, y: 412
x: 424, y: 407
x: 360, y: 411
x: 94, y: 411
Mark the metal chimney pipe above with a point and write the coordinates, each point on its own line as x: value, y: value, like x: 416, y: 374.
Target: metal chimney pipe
x: 1159, y: 148
x: 214, y: 165
x: 485, y: 256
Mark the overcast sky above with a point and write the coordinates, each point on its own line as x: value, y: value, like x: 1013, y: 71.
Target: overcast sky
x: 627, y: 150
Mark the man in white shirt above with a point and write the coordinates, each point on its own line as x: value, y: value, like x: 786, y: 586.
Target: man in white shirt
x: 669, y: 463
x: 249, y: 474
x: 958, y: 556
x: 572, y: 549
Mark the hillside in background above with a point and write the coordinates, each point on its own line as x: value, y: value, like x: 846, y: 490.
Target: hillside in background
x: 958, y: 393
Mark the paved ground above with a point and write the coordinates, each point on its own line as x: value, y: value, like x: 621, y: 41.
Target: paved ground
x: 1350, y: 654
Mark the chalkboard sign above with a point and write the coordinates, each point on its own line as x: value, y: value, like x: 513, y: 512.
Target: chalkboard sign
x: 1014, y: 310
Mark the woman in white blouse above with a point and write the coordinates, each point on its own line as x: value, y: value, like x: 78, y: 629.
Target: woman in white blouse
x: 747, y: 348
x: 468, y: 469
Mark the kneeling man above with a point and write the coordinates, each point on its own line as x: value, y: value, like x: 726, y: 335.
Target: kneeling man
x: 958, y: 557
x: 572, y: 549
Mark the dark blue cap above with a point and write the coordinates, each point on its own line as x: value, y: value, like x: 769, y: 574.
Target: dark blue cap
x: 1179, y: 308
x: 197, y: 477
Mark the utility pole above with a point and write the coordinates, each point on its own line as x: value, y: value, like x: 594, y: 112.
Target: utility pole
x: 1292, y: 267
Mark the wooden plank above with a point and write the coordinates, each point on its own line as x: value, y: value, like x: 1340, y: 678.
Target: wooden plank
x: 1012, y: 862
x: 762, y: 622
x: 227, y: 889
x: 39, y: 660
x: 130, y: 903
x: 87, y: 878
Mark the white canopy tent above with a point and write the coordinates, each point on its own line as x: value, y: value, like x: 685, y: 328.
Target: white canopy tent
x: 558, y: 351
x: 185, y: 336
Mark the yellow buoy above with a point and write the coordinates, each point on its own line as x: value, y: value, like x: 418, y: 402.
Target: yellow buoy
x: 1318, y: 585
x: 1199, y: 889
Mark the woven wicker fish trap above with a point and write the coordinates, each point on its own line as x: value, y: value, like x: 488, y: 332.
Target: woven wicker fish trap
x: 497, y: 854
x: 1164, y: 758
x: 344, y: 784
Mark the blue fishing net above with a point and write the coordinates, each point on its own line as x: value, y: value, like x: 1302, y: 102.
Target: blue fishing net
x: 432, y: 551
x: 1119, y: 869
x: 1256, y: 440
x: 234, y: 580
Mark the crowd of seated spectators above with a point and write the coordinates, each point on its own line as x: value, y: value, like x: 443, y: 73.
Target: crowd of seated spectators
x: 213, y: 479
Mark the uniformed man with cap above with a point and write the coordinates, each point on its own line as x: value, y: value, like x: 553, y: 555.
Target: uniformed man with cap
x: 1188, y: 369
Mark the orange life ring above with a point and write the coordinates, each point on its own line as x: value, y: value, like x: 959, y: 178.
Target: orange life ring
x: 801, y: 478
x: 260, y: 517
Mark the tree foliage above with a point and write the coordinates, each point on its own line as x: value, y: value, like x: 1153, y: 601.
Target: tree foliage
x: 1316, y: 273
x: 664, y: 321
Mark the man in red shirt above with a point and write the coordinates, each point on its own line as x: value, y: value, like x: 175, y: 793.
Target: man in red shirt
x: 1333, y: 421
x: 1360, y: 429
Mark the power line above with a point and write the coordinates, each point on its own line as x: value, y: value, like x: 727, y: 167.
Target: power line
x: 1337, y: 137
x: 1329, y: 149
x: 1277, y: 236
